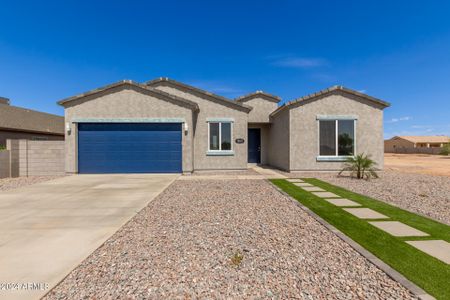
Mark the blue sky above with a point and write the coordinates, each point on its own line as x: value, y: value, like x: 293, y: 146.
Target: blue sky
x: 398, y: 51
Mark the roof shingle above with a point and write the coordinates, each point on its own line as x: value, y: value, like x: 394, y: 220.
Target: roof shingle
x: 22, y: 119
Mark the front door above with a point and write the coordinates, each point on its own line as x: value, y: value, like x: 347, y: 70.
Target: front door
x: 254, y: 145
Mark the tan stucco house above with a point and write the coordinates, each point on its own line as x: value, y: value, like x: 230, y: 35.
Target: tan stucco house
x: 409, y: 143
x: 168, y: 126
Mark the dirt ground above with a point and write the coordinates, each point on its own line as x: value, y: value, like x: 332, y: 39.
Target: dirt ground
x: 418, y: 163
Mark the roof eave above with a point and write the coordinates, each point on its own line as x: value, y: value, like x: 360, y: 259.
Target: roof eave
x: 256, y: 94
x: 191, y: 104
x: 198, y: 90
x: 382, y: 103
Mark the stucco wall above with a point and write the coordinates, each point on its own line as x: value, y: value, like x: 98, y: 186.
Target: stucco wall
x: 8, y: 134
x: 211, y: 109
x: 304, y: 144
x: 262, y: 108
x: 279, y: 141
x: 36, y: 158
x: 125, y: 102
x: 399, y: 145
x: 4, y: 163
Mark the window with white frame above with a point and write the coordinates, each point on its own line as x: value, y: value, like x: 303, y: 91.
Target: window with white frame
x: 220, y: 136
x: 336, y: 137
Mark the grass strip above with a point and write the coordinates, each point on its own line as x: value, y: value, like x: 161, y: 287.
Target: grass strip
x: 424, y: 270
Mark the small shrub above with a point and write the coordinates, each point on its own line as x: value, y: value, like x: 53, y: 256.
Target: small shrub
x: 445, y: 150
x: 361, y: 166
x: 2, y: 148
x: 237, y: 258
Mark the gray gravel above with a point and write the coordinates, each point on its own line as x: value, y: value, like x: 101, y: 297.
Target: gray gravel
x: 7, y: 184
x: 424, y: 194
x: 183, y: 243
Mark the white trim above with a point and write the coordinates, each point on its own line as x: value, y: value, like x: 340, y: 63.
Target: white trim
x: 332, y: 158
x: 335, y: 157
x: 218, y: 120
x: 220, y: 153
x: 129, y: 120
x: 336, y: 117
x: 217, y: 152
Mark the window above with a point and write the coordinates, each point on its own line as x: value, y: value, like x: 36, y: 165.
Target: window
x: 336, y: 137
x: 220, y: 136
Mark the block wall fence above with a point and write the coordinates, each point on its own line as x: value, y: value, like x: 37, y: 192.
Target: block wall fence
x: 32, y: 158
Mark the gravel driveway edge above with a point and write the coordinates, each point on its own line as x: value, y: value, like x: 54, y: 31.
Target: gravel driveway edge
x: 420, y: 293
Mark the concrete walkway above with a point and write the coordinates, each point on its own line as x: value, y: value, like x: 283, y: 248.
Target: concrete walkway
x: 437, y: 248
x: 262, y: 173
x: 49, y: 228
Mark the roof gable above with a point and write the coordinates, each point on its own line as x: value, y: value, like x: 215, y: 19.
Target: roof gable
x: 329, y: 91
x: 194, y: 90
x: 131, y: 84
x: 258, y: 94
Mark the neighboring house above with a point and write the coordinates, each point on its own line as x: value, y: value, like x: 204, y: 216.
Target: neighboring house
x: 408, y: 144
x: 167, y: 126
x: 22, y: 123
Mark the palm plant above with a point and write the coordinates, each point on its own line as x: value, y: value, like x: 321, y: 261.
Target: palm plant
x: 361, y: 166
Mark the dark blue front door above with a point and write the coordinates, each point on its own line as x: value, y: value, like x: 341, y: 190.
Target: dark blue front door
x: 254, y: 145
x: 129, y: 148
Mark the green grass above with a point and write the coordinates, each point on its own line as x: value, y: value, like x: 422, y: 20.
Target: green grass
x: 426, y: 271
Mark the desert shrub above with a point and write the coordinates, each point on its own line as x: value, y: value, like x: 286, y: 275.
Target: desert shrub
x: 360, y: 166
x: 445, y: 150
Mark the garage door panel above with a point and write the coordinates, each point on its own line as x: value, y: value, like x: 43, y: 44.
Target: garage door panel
x: 129, y: 148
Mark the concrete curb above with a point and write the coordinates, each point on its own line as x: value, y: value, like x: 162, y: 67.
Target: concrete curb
x: 420, y: 293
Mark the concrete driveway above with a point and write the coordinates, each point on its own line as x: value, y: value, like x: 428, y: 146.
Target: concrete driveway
x: 47, y: 229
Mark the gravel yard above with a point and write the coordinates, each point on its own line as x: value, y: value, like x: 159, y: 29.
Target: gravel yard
x: 225, y: 172
x: 425, y: 194
x: 226, y: 239
x: 7, y: 184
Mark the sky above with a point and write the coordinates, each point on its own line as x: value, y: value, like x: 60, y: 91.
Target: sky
x: 397, y: 51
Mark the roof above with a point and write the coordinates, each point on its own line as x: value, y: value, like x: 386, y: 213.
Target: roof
x: 4, y: 100
x: 219, y: 99
x: 23, y: 119
x: 330, y: 90
x: 257, y: 94
x: 424, y: 139
x: 142, y: 87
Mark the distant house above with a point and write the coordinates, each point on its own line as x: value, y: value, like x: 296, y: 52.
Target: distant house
x: 22, y: 123
x: 414, y: 144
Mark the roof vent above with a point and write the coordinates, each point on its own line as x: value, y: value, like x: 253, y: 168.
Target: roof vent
x: 4, y: 100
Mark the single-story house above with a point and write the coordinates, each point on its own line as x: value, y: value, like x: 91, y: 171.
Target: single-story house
x: 21, y: 123
x: 168, y: 126
x: 400, y: 143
